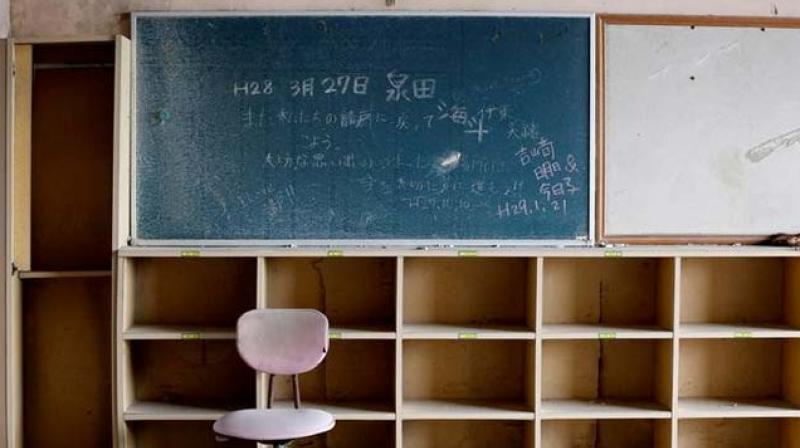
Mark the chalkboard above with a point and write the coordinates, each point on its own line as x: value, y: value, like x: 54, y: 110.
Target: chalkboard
x: 361, y: 127
x: 701, y: 131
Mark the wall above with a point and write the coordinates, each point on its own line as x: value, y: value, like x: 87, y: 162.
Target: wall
x: 31, y: 18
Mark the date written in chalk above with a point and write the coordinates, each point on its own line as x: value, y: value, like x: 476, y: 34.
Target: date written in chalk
x: 397, y: 87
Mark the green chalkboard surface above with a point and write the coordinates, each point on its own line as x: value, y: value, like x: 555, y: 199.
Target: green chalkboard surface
x: 361, y: 127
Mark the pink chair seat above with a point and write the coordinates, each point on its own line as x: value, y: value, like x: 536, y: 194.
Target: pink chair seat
x: 264, y: 425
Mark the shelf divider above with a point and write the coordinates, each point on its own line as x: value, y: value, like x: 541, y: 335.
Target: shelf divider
x: 31, y: 275
x: 452, y: 409
x: 595, y: 409
x: 735, y: 408
x: 602, y: 331
x: 177, y: 332
x: 737, y: 331
x: 467, y: 331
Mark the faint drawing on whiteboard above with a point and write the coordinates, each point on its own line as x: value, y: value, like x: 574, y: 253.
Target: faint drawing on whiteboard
x: 762, y: 151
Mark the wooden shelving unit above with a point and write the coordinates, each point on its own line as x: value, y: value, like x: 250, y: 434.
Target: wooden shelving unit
x: 522, y: 348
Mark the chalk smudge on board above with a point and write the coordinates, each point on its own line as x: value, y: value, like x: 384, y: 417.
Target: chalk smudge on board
x: 447, y: 162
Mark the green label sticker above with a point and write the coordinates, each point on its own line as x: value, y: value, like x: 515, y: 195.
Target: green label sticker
x: 612, y: 253
x: 467, y: 253
x: 607, y: 335
x: 467, y: 335
x: 335, y: 253
x: 742, y: 334
x: 190, y: 253
x: 334, y: 335
x: 190, y: 336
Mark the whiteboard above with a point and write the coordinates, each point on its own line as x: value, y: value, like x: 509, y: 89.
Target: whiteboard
x: 702, y: 131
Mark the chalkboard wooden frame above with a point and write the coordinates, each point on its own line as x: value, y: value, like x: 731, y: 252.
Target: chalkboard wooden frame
x: 602, y: 20
x: 422, y: 243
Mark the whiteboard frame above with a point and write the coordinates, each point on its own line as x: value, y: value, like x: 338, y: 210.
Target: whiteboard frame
x: 592, y: 194
x: 602, y: 20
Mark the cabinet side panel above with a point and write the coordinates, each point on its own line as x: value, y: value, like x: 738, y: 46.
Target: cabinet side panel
x: 122, y: 143
x: 4, y: 279
x: 23, y: 95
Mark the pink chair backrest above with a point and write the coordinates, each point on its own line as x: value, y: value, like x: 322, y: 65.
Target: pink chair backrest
x: 282, y: 341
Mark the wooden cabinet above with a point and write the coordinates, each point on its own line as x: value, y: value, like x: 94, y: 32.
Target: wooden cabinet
x: 62, y: 98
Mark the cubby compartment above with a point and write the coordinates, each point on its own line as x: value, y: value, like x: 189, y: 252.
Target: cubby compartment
x: 468, y: 379
x: 467, y: 434
x: 356, y: 381
x: 357, y: 294
x: 63, y: 156
x: 190, y: 297
x: 740, y: 297
x: 353, y: 434
x: 187, y: 380
x: 66, y: 362
x: 585, y: 298
x: 739, y: 378
x: 174, y: 434
x: 591, y: 379
x: 450, y: 298
x: 606, y: 434
x: 739, y: 433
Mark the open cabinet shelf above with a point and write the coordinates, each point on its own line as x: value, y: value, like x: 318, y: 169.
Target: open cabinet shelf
x: 739, y: 378
x: 187, y: 298
x: 597, y: 298
x: 740, y: 298
x: 66, y: 365
x: 470, y: 379
x: 71, y: 137
x: 622, y: 433
x: 356, y: 294
x: 460, y: 298
x: 590, y: 379
x: 347, y: 386
x: 187, y: 380
x: 467, y: 434
x: 739, y: 433
x: 354, y: 434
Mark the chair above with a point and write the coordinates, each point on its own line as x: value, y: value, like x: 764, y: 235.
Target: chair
x: 279, y: 342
